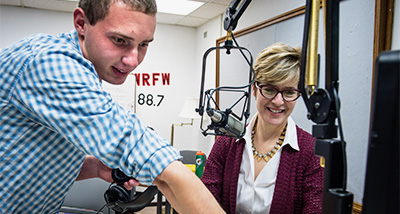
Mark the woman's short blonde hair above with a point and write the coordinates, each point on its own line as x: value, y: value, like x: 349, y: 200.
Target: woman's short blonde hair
x: 277, y: 64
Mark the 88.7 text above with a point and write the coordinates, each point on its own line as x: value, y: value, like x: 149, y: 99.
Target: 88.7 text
x: 150, y: 100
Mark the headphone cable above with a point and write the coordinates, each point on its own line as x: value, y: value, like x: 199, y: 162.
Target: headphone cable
x: 101, y: 209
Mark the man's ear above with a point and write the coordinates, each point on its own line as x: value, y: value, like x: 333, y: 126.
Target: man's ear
x: 80, y: 21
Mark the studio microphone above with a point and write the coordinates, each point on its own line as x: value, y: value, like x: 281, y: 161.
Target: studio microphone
x: 225, y: 124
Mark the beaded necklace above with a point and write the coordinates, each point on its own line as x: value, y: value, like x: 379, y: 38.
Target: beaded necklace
x: 266, y: 156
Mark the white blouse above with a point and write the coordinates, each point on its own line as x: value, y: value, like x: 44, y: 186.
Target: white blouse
x: 255, y: 196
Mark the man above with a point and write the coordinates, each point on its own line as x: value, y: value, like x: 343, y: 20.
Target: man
x: 58, y: 125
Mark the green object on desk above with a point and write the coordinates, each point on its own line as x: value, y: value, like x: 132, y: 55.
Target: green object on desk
x: 200, y: 162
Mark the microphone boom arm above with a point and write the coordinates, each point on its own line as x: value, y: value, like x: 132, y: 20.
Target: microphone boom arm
x: 232, y: 14
x: 323, y: 109
x: 206, y: 97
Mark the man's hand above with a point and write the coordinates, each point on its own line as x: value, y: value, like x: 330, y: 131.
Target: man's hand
x: 94, y: 168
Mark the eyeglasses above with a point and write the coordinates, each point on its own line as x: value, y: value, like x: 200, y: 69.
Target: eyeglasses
x: 270, y: 92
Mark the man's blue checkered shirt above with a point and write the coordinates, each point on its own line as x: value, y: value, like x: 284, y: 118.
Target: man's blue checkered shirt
x: 53, y: 112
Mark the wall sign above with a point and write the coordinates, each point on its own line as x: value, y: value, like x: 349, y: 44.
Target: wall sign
x: 124, y: 94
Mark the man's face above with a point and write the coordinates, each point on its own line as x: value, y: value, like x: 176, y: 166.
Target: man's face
x: 118, y: 44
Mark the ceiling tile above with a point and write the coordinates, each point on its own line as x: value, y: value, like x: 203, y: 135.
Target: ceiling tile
x: 10, y: 2
x: 208, y: 11
x: 64, y: 6
x: 192, y: 21
x: 222, y: 2
x: 168, y: 18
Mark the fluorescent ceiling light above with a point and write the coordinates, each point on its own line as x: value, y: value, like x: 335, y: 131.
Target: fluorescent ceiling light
x: 178, y: 7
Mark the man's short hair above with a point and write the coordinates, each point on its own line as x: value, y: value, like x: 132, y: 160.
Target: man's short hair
x: 97, y: 10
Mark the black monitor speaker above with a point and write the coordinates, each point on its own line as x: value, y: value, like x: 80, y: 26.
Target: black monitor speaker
x: 381, y: 192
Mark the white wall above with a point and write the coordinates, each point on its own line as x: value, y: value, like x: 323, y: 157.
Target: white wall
x: 171, y: 52
x: 16, y: 23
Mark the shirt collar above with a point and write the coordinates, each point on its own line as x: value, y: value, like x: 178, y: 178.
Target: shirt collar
x: 290, y: 137
x: 74, y: 36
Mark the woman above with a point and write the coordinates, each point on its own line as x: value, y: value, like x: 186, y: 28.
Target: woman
x: 272, y: 169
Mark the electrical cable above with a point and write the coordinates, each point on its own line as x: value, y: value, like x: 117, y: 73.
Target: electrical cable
x: 248, y: 62
x: 105, y: 203
x: 336, y: 97
x: 101, y: 208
